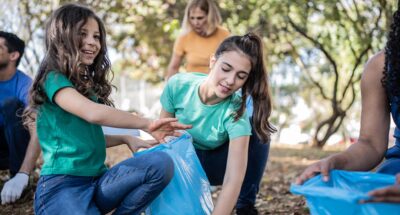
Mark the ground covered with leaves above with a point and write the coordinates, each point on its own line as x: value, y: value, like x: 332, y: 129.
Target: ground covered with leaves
x: 284, y: 164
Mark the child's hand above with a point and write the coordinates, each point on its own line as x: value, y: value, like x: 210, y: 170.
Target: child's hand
x: 136, y: 143
x: 161, y: 128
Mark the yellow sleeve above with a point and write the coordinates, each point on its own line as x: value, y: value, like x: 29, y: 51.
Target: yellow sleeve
x: 179, y: 46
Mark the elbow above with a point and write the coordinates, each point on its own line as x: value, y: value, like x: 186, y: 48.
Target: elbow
x: 172, y: 69
x: 93, y: 117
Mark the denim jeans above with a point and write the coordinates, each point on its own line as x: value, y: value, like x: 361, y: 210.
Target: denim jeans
x: 14, y: 137
x: 214, y: 164
x: 129, y: 187
x: 392, y: 163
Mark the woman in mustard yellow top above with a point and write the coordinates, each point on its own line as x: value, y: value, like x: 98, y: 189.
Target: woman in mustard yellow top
x: 200, y: 37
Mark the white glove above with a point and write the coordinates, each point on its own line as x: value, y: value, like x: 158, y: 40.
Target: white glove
x: 13, y: 188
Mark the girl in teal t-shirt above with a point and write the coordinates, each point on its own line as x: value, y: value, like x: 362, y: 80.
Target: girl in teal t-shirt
x: 70, y: 99
x: 221, y: 129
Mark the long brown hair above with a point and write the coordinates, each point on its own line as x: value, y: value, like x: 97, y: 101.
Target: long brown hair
x: 62, y: 55
x: 256, y: 85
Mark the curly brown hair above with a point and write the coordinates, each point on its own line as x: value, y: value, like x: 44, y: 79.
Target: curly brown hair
x: 391, y: 73
x: 62, y: 55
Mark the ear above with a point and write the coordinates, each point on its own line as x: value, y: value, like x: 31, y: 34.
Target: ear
x: 212, y: 61
x: 14, y: 56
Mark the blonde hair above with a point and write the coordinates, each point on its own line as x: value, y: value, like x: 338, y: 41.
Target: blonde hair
x: 210, y: 8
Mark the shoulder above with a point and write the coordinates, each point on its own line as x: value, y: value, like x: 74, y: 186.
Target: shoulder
x: 23, y: 76
x: 235, y: 101
x: 55, y: 78
x: 185, y: 78
x: 375, y: 66
x: 222, y: 31
x: 185, y: 35
x: 54, y: 75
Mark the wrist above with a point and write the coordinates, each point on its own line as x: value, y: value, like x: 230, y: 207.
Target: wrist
x: 24, y: 172
x: 338, y: 161
x: 148, y: 124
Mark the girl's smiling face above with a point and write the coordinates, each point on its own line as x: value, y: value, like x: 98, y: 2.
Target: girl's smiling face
x: 229, y: 73
x: 90, y: 41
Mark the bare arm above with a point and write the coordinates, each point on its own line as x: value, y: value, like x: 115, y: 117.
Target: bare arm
x: 72, y: 101
x: 234, y: 175
x: 173, y: 66
x: 374, y: 131
x: 372, y: 144
x: 32, y: 152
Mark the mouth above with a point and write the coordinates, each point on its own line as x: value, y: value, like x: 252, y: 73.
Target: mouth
x: 224, y: 88
x: 88, y: 53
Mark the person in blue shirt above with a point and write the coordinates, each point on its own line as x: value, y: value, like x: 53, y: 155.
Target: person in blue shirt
x: 14, y: 137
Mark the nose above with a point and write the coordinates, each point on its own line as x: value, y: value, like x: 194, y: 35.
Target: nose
x: 230, y: 79
x: 90, y: 40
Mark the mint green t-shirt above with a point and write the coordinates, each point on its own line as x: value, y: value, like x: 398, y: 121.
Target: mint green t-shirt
x: 70, y: 145
x: 213, y: 125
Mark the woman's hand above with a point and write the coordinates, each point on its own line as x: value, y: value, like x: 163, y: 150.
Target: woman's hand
x: 161, y: 128
x: 135, y: 143
x: 321, y: 167
x: 387, y: 194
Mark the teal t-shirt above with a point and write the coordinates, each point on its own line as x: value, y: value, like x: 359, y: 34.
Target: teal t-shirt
x: 70, y: 145
x: 213, y: 125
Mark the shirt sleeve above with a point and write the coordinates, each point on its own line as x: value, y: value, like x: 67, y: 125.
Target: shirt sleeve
x: 166, y: 99
x: 178, y: 46
x: 238, y: 128
x: 24, y: 93
x: 54, y: 82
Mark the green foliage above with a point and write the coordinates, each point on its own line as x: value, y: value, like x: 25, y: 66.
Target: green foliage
x: 321, y: 44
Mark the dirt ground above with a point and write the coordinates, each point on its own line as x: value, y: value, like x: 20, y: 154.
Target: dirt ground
x: 284, y: 164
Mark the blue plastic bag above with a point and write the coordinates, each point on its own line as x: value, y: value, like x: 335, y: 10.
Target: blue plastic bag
x: 342, y: 193
x: 189, y: 190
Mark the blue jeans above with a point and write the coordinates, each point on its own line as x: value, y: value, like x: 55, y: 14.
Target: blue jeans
x: 129, y: 187
x: 214, y: 164
x: 14, y: 137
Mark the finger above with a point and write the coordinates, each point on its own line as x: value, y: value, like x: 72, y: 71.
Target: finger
x: 392, y: 190
x: 392, y: 199
x: 151, y: 142
x: 14, y: 196
x: 325, y: 168
x: 307, y: 174
x: 3, y: 196
x: 165, y: 121
x: 177, y: 134
x: 398, y: 178
x: 7, y: 199
x: 160, y: 123
x: 177, y: 125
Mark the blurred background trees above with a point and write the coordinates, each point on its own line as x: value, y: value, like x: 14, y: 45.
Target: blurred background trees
x: 315, y: 50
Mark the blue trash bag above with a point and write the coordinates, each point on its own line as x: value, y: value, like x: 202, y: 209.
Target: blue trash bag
x: 189, y: 190
x: 342, y: 193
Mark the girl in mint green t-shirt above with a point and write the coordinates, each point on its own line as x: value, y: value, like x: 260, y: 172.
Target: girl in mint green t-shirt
x: 70, y: 96
x: 221, y: 128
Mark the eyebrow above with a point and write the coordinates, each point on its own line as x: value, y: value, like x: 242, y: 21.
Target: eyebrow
x: 84, y: 29
x: 230, y: 66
